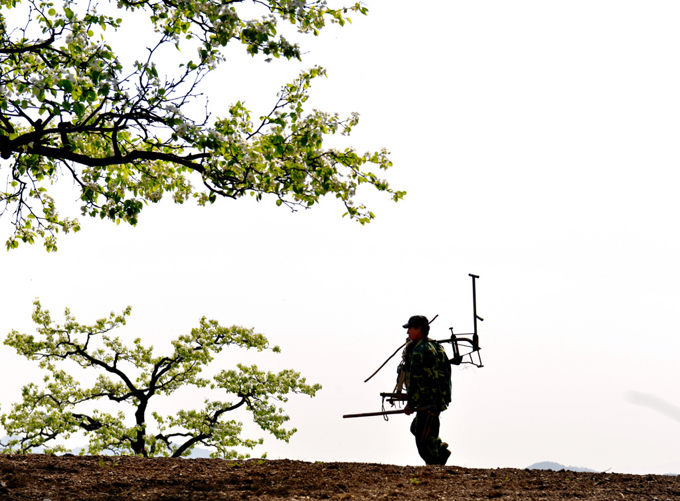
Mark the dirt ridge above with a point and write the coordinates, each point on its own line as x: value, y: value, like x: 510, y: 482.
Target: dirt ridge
x: 43, y: 477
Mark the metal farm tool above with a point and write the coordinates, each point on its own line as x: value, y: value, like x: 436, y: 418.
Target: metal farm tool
x: 464, y: 348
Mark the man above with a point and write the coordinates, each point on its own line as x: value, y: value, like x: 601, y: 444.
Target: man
x: 428, y: 380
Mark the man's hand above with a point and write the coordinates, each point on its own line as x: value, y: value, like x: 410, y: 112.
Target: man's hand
x: 408, y: 410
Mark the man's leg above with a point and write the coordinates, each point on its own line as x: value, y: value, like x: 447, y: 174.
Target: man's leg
x: 425, y: 427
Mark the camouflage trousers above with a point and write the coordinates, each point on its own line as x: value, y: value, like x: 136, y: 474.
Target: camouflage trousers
x: 425, y: 427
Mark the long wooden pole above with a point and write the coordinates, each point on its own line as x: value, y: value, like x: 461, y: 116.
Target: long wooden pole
x: 386, y: 413
x: 383, y: 365
x: 368, y: 414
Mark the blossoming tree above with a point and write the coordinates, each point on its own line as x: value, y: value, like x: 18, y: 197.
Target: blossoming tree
x: 128, y: 134
x: 133, y: 376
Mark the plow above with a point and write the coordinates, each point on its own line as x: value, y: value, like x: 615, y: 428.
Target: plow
x: 465, y: 349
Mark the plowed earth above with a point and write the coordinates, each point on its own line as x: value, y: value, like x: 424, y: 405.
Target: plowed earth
x: 53, y: 478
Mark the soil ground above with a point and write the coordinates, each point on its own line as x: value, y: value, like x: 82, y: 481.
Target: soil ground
x: 41, y: 477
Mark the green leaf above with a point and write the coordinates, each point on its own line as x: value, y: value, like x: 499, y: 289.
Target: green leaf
x: 66, y: 85
x: 79, y: 108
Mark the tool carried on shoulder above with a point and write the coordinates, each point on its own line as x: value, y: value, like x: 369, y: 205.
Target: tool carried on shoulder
x: 464, y: 346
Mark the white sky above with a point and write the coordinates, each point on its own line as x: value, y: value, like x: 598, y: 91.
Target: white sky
x: 537, y: 141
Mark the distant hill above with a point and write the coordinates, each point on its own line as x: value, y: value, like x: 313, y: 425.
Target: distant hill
x: 549, y: 465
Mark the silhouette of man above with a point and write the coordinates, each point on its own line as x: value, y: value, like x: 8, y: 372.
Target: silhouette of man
x: 428, y: 383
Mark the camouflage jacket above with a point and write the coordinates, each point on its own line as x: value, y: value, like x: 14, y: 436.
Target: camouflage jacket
x: 428, y: 375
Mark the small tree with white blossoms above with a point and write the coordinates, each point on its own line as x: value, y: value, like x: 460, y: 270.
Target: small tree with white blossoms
x: 132, y: 376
